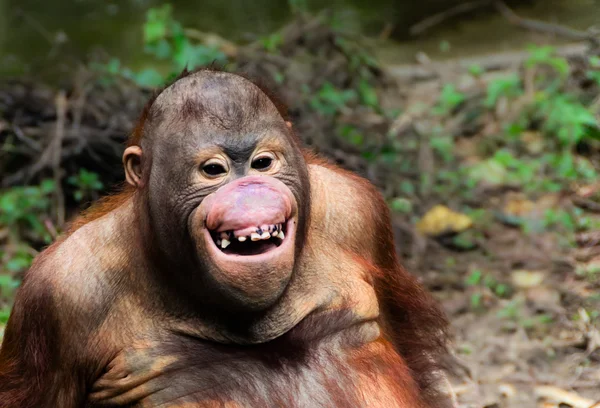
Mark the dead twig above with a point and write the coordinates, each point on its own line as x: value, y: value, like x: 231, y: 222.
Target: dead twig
x: 510, y: 16
x: 544, y: 27
x: 587, y: 204
x: 35, y: 146
x: 559, y: 395
x: 61, y: 113
x: 438, y: 18
x: 492, y: 62
x: 588, y: 239
x: 213, y: 40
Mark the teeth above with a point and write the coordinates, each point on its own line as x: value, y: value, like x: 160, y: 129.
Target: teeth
x: 263, y: 232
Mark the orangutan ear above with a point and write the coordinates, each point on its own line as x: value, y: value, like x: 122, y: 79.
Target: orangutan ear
x: 132, y: 161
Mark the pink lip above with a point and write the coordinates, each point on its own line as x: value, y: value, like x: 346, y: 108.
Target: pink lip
x: 219, y: 255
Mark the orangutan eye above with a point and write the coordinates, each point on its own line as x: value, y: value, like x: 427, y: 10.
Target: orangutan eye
x: 262, y: 163
x: 213, y: 169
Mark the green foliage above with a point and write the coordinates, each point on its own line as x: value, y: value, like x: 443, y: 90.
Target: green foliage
x: 18, y: 261
x: 26, y: 207
x: 401, y: 205
x: 166, y: 40
x: 476, y: 300
x: 450, y: 99
x: 474, y: 278
x: 445, y: 46
x: 565, y: 117
x: 4, y: 315
x: 513, y: 311
x: 298, y: 6
x: 509, y: 86
x: 8, y: 284
x: 594, y: 72
x: 476, y: 70
x: 479, y: 280
x: 407, y: 187
x: 272, y: 42
x: 330, y: 100
x: 360, y: 61
x: 546, y: 56
x: 547, y: 173
x: 444, y: 146
x: 367, y: 94
x: 560, y: 116
x: 87, y: 184
x: 352, y: 135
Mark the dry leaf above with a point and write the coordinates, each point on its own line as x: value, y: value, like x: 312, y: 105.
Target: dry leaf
x: 441, y: 220
x: 525, y: 279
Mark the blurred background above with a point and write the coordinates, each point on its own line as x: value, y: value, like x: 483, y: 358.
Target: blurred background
x: 477, y: 120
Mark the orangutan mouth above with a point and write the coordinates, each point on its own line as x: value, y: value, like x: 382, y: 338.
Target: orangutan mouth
x: 251, y: 240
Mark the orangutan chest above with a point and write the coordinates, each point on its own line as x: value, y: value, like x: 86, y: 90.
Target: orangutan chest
x: 182, y: 374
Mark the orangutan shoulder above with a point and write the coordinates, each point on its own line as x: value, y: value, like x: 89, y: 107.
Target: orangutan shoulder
x: 347, y: 210
x: 336, y: 190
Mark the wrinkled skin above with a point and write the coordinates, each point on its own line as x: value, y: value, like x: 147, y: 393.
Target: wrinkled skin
x: 183, y: 196
x: 235, y: 271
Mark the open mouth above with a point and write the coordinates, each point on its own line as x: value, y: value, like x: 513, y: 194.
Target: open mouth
x: 250, y: 241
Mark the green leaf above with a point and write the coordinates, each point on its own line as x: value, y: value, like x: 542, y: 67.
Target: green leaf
x: 476, y: 70
x: 401, y: 205
x: 566, y: 117
x: 4, y: 315
x: 474, y: 278
x: 113, y: 66
x: 503, y: 87
x: 148, y: 78
x: 594, y: 76
x: 17, y: 264
x: 272, y: 42
x: 161, y: 49
x: 156, y: 25
x: 444, y: 146
x: 352, y: 134
x: 47, y: 186
x: 450, y: 98
x: 407, y: 187
x: 367, y: 93
x: 547, y: 56
x: 279, y: 77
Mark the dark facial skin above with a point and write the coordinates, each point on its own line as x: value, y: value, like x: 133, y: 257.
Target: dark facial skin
x: 223, y: 131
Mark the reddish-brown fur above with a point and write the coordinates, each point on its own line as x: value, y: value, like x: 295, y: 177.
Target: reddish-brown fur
x: 413, y: 328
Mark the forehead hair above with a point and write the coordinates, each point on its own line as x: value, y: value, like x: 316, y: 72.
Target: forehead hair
x: 220, y: 99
